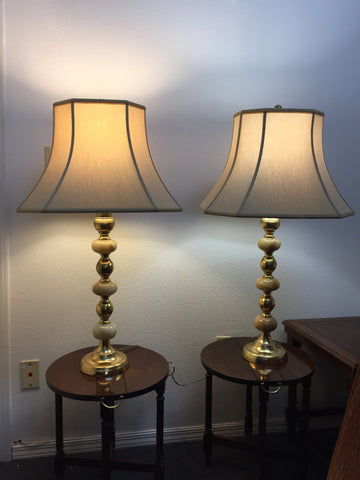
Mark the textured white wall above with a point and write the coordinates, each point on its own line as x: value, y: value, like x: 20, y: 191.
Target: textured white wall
x: 4, y: 316
x: 184, y: 277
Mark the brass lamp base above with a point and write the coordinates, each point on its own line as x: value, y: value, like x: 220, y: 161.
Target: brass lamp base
x: 99, y: 362
x: 105, y: 359
x: 264, y: 352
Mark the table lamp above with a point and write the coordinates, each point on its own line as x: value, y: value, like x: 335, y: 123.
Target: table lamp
x: 276, y: 169
x: 100, y: 162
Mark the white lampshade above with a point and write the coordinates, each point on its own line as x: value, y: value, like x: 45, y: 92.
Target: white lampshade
x: 276, y: 168
x: 100, y: 162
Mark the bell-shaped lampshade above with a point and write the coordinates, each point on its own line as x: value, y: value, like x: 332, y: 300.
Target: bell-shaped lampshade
x: 276, y: 168
x: 100, y: 162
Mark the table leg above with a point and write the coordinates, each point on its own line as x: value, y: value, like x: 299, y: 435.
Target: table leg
x: 263, y: 401
x: 305, y: 424
x: 107, y: 437
x: 305, y: 405
x: 248, y: 412
x: 159, y: 472
x: 207, y: 445
x: 290, y: 412
x: 60, y: 456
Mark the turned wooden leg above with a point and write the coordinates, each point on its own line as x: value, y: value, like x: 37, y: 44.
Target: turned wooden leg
x: 208, y: 435
x: 159, y: 472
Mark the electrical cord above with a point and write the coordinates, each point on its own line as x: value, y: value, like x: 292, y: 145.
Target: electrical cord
x: 172, y: 375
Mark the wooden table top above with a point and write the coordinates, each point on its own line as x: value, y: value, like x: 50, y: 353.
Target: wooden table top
x: 147, y: 370
x: 338, y: 338
x: 224, y: 359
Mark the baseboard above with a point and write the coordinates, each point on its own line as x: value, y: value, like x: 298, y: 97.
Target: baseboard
x: 147, y: 437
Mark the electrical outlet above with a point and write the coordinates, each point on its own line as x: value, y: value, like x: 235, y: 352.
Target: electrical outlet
x: 29, y: 374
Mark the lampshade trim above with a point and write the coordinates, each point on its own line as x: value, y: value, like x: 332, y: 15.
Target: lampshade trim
x: 50, y: 199
x: 280, y: 110
x: 317, y: 167
x: 98, y: 100
x: 134, y: 159
x: 155, y: 169
x: 231, y: 169
x: 257, y: 164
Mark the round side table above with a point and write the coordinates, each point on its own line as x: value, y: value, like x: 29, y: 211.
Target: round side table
x: 223, y: 359
x: 147, y: 372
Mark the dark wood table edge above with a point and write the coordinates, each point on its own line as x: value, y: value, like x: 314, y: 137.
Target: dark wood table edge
x: 297, y: 352
x: 94, y: 398
x: 299, y: 333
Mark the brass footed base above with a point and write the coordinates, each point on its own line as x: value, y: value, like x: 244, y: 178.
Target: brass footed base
x: 264, y: 352
x: 97, y: 362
